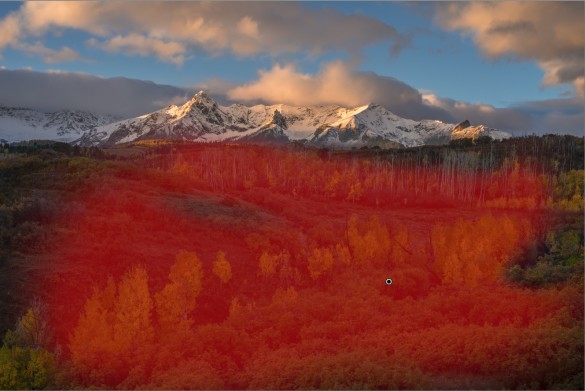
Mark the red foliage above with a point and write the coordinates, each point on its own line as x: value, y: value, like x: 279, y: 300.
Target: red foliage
x: 310, y: 243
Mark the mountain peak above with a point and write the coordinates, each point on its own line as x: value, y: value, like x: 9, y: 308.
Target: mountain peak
x: 202, y: 97
x: 278, y: 119
x: 462, y: 125
x: 200, y: 101
x: 202, y: 94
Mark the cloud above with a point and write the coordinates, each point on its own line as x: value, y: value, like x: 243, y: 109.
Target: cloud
x: 338, y: 84
x: 136, y: 44
x: 50, y: 56
x: 59, y: 90
x: 171, y: 30
x: 565, y: 116
x: 509, y: 119
x: 12, y: 32
x: 551, y: 33
x: 218, y: 88
x: 9, y: 31
x: 564, y: 71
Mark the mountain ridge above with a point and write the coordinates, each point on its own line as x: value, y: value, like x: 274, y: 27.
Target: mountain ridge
x: 202, y: 119
x: 21, y: 124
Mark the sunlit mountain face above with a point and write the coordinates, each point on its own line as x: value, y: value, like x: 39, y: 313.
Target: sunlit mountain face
x: 202, y: 119
x: 291, y: 195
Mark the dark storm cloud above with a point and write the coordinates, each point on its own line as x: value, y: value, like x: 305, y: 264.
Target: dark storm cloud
x: 508, y: 119
x: 55, y: 91
x: 565, y: 116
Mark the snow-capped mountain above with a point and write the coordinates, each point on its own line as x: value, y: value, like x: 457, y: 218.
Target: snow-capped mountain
x: 20, y: 124
x: 203, y: 119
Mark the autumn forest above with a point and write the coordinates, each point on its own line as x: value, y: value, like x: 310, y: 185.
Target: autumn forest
x: 161, y: 265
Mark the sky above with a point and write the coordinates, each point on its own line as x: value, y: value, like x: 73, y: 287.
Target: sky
x: 515, y: 66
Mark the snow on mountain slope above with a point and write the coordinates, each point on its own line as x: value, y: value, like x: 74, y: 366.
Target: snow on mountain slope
x: 203, y: 119
x: 374, y: 124
x: 18, y: 124
x: 301, y: 121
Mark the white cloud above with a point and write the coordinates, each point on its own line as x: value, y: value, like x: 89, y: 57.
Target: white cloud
x: 552, y: 33
x: 65, y: 54
x: 12, y: 30
x: 337, y: 83
x: 248, y: 27
x: 136, y: 44
x: 50, y: 56
x: 9, y: 31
